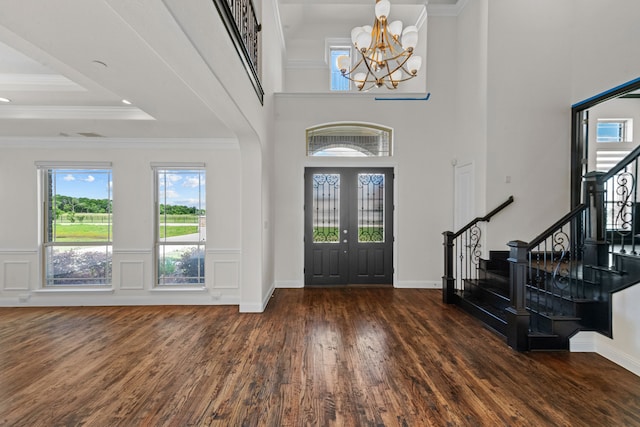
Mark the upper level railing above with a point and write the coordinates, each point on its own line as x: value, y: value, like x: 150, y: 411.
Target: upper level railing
x: 462, y: 251
x: 620, y: 192
x: 239, y: 18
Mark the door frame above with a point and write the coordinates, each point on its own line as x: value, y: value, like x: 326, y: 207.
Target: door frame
x: 331, y: 163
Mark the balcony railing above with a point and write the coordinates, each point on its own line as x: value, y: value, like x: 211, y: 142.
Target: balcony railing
x: 239, y: 18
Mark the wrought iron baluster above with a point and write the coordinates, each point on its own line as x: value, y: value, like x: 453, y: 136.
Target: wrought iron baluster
x: 241, y: 22
x: 634, y: 192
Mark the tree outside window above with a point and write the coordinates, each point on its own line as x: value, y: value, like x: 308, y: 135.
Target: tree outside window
x: 78, y: 227
x: 180, y: 226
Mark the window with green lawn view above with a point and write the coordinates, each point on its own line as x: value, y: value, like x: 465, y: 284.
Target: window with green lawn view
x: 181, y: 226
x: 77, y: 226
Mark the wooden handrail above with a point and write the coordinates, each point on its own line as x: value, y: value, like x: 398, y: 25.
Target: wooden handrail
x: 487, y: 217
x: 546, y: 233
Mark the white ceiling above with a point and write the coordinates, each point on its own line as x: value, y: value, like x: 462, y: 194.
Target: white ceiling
x: 66, y: 65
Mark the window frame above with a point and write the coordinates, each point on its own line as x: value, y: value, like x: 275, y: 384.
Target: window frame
x: 625, y: 126
x: 346, y: 145
x: 162, y: 281
x: 332, y: 45
x: 337, y: 81
x: 47, y: 238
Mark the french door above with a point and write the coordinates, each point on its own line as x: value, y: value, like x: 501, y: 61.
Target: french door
x: 348, y: 226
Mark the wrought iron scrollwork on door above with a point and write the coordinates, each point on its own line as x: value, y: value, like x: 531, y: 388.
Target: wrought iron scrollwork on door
x: 326, y: 208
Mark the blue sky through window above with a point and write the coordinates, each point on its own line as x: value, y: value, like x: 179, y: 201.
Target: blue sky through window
x: 92, y: 184
x: 610, y: 132
x: 338, y: 82
x: 183, y: 188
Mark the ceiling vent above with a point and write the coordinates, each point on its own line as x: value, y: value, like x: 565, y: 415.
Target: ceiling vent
x: 91, y: 134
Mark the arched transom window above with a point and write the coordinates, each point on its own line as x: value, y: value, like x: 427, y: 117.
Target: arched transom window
x: 349, y: 140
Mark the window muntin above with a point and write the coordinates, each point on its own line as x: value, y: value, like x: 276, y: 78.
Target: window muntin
x: 614, y: 130
x: 338, y: 81
x: 77, y: 227
x: 348, y: 140
x: 180, y: 226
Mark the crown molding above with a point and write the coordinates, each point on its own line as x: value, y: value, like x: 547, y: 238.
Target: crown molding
x: 447, y: 10
x: 50, y: 112
x: 38, y: 82
x: 119, y: 143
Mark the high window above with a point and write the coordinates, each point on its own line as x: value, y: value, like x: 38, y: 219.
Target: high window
x: 338, y: 81
x: 614, y: 130
x: 349, y: 140
x: 77, y: 232
x: 180, y: 225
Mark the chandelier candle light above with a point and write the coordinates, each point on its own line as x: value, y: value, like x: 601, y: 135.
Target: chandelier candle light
x: 386, y: 52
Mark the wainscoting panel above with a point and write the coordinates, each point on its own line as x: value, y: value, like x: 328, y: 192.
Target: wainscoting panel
x: 19, y: 270
x: 132, y: 269
x: 16, y: 275
x: 132, y: 275
x: 223, y: 270
x: 225, y: 274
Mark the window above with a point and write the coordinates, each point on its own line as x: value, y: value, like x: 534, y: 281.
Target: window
x: 349, y: 140
x: 614, y: 130
x: 338, y: 81
x: 77, y: 231
x: 181, y: 225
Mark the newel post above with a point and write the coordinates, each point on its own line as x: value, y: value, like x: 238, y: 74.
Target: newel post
x: 596, y: 248
x: 517, y: 314
x: 448, y: 280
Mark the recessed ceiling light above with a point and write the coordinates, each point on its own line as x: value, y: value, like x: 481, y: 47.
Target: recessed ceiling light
x: 124, y: 101
x: 5, y: 100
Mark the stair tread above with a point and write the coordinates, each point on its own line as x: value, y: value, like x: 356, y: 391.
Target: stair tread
x: 538, y: 334
x: 494, y: 311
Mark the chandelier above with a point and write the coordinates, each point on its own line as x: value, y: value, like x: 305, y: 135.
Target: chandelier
x: 386, y: 52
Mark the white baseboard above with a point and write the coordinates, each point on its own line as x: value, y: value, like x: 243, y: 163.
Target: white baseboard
x: 99, y: 299
x: 594, y: 342
x: 418, y: 284
x: 407, y: 284
x: 583, y: 342
x: 289, y: 284
x: 257, y: 308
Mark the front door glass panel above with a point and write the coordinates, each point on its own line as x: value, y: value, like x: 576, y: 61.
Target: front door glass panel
x: 326, y: 208
x: 371, y: 207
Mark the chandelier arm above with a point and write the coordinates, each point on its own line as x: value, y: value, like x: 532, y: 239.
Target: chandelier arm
x: 400, y: 66
x: 348, y: 73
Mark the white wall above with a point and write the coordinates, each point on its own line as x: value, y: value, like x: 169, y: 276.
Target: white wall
x: 423, y: 141
x: 470, y: 149
x: 133, y: 226
x: 624, y: 347
x: 528, y: 115
x: 605, y: 36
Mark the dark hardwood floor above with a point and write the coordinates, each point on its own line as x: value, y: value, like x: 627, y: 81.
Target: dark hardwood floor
x: 318, y: 357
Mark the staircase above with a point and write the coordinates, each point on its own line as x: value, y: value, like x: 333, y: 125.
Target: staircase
x: 538, y: 294
x: 487, y: 296
x: 555, y: 316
